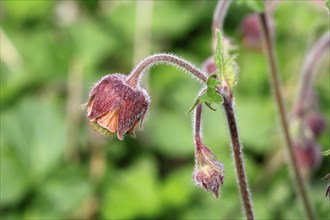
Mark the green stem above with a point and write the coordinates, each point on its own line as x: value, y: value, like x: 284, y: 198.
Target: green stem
x: 275, y: 83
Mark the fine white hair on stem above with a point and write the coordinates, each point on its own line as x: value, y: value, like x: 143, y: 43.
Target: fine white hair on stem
x: 197, y: 124
x: 163, y: 58
x: 220, y: 13
x: 197, y: 121
x: 218, y: 19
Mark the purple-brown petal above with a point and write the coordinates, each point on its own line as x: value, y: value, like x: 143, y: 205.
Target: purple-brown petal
x: 116, y: 106
x: 133, y: 109
x: 106, y: 96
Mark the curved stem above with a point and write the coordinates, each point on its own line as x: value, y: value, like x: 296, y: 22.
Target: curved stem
x: 197, y: 125
x: 169, y: 59
x: 275, y: 83
x: 310, y: 69
x: 218, y: 19
x: 219, y: 15
x: 200, y: 148
x: 238, y: 156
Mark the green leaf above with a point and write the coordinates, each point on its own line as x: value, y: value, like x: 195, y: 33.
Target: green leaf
x: 326, y: 153
x: 210, y: 107
x: 256, y: 5
x: 226, y: 66
x: 212, y: 81
x: 219, y: 52
x: 210, y: 96
x: 194, y: 105
x: 230, y: 71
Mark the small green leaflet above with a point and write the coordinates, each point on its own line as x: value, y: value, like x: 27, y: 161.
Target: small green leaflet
x: 210, y: 96
x: 230, y: 71
x: 326, y: 153
x: 226, y: 66
x: 219, y: 52
x: 212, y: 81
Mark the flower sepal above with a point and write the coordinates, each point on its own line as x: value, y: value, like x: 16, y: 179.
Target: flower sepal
x: 209, y: 172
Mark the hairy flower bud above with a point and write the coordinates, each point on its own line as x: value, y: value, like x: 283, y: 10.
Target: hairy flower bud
x: 116, y: 106
x: 208, y: 173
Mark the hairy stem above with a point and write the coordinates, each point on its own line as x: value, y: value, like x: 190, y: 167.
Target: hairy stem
x: 219, y: 15
x: 169, y: 59
x: 275, y: 83
x: 228, y: 104
x: 218, y: 19
x: 197, y: 125
x: 310, y: 68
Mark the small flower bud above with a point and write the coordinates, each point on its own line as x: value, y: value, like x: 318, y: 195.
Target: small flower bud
x: 116, y: 106
x: 308, y: 156
x: 208, y: 173
x: 209, y: 65
x: 251, y: 32
x: 315, y: 122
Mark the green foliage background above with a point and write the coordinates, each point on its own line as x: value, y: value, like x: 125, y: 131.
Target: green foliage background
x: 53, y: 165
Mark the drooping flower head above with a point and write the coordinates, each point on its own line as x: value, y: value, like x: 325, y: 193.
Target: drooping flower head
x: 209, y: 172
x: 116, y: 106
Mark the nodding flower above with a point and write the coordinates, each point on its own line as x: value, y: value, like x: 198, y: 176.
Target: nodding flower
x: 116, y: 106
x: 209, y: 172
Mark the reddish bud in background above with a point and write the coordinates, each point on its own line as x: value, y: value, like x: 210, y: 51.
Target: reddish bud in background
x: 251, y: 32
x: 117, y: 107
x: 208, y: 173
x: 308, y: 156
x: 315, y: 122
x: 209, y: 65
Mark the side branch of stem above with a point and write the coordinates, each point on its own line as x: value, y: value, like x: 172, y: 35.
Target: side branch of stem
x: 309, y: 69
x: 275, y: 83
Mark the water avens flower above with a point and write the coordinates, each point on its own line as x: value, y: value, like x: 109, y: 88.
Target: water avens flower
x: 209, y: 172
x: 116, y: 106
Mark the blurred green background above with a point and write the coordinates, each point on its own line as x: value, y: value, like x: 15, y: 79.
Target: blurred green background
x: 55, y: 166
